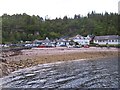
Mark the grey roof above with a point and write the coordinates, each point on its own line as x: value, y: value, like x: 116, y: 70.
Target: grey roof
x: 77, y: 36
x: 108, y: 37
x: 43, y: 41
x: 62, y: 40
x: 46, y: 41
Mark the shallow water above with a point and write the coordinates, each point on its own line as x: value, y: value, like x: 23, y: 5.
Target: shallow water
x: 101, y: 73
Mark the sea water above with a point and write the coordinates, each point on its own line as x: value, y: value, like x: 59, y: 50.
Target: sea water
x: 100, y: 73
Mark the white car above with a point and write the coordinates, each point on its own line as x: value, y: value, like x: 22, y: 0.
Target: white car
x: 28, y: 45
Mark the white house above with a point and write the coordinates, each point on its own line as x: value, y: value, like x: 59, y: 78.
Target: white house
x: 109, y: 39
x: 81, y: 40
x: 45, y: 42
x: 62, y: 42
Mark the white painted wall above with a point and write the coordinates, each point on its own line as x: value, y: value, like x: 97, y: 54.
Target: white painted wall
x: 110, y: 42
x: 62, y: 43
x: 82, y: 41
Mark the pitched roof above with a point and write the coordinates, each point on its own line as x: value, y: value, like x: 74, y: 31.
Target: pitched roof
x: 62, y: 40
x: 108, y: 37
x: 77, y: 36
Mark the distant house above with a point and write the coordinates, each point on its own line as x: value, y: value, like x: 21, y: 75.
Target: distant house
x: 62, y: 42
x: 37, y: 43
x: 81, y: 40
x: 109, y: 39
x: 45, y: 42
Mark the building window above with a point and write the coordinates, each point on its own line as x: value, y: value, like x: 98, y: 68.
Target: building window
x: 112, y: 40
x: 116, y: 40
x: 95, y: 40
x: 109, y: 40
x: 100, y: 40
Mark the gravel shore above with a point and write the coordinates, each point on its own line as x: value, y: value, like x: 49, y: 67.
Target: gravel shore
x: 35, y: 56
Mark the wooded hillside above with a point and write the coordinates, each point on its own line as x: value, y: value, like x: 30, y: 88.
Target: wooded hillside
x: 24, y: 27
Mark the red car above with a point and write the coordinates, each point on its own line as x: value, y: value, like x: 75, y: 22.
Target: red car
x: 86, y: 46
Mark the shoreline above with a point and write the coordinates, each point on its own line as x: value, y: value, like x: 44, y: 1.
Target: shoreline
x: 35, y: 56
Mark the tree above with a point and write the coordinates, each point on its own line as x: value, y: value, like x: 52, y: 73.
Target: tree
x: 24, y: 27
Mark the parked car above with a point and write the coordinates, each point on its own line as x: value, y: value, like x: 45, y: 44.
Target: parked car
x: 28, y: 45
x: 86, y: 46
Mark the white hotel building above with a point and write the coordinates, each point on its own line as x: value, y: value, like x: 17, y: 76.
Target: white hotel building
x: 109, y: 39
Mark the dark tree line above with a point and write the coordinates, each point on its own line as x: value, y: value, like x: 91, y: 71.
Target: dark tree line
x: 25, y: 27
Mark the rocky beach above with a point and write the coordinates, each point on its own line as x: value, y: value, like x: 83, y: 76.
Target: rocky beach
x: 13, y: 61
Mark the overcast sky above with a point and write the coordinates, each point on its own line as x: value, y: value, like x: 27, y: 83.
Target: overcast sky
x: 57, y: 8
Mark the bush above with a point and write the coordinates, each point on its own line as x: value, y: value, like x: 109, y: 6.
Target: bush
x: 116, y: 46
x: 93, y: 44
